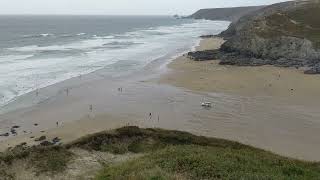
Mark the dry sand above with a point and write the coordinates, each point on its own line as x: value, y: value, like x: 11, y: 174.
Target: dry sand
x: 69, y: 132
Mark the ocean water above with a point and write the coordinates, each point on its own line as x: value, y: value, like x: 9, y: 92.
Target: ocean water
x: 37, y: 51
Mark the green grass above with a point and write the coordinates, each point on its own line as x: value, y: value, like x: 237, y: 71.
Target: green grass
x: 136, y: 140
x: 50, y: 160
x: 53, y: 159
x: 165, y: 155
x: 302, y: 22
x: 178, y: 155
x: 206, y: 162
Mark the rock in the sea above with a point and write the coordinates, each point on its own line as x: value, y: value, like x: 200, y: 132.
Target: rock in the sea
x: 15, y: 127
x: 204, y: 55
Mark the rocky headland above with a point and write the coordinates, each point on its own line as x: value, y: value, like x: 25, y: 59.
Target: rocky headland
x: 226, y: 14
x: 284, y: 34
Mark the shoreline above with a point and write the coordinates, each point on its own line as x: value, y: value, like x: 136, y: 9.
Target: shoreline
x: 271, y: 123
x: 13, y: 113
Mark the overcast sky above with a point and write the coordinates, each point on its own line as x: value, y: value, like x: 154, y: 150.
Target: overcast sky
x: 119, y: 7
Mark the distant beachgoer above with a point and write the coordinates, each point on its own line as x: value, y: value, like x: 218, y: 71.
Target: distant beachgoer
x: 91, y: 108
x: 57, y: 123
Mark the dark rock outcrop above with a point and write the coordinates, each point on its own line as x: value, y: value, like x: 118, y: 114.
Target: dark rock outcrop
x: 204, y: 55
x: 5, y: 134
x: 13, y: 131
x: 207, y: 36
x: 284, y: 34
x: 46, y: 143
x: 314, y: 70
x: 41, y: 138
x: 56, y: 140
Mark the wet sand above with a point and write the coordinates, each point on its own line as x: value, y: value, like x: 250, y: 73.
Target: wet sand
x: 277, y: 121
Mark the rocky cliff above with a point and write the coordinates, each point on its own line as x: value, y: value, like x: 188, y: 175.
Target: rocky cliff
x: 226, y: 14
x: 283, y: 34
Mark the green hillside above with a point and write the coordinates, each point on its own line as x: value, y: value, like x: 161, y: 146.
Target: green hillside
x: 151, y: 154
x: 302, y: 22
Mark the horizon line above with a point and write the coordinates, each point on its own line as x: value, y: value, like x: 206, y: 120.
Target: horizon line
x: 89, y: 15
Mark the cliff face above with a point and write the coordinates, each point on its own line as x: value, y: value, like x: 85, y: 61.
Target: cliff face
x: 226, y: 14
x: 284, y: 34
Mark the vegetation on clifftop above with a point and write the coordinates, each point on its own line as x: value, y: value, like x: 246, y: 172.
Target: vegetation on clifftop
x: 163, y: 155
x: 181, y: 155
x: 302, y: 22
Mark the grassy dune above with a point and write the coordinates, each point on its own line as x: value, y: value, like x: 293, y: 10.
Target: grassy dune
x: 163, y: 155
x: 178, y: 155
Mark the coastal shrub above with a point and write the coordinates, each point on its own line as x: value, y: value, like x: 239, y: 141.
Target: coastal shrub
x: 50, y: 159
x: 181, y: 155
x: 115, y: 148
x: 18, y: 152
x: 4, y: 175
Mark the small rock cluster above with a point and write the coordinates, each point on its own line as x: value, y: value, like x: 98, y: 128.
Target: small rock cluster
x: 204, y: 55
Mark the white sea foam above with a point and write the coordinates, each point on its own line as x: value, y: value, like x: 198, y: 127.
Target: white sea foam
x: 26, y: 70
x: 38, y: 35
x: 81, y: 34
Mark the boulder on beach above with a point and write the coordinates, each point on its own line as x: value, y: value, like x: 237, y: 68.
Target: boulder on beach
x: 41, y: 138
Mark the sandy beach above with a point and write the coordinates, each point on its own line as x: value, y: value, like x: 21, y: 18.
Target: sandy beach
x: 276, y: 109
x: 284, y: 83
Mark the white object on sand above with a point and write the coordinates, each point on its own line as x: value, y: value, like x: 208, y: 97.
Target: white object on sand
x: 206, y: 104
